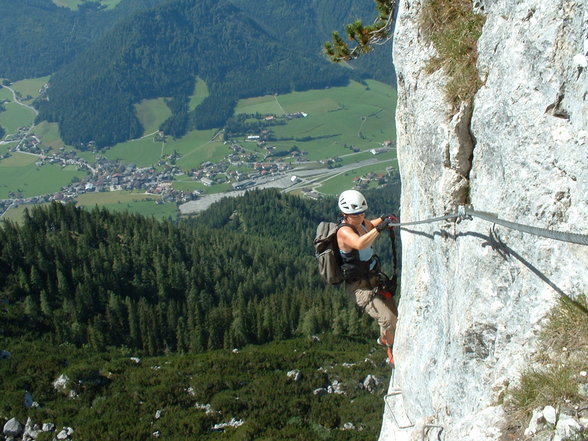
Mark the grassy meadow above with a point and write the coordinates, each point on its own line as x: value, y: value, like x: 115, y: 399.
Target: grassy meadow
x: 120, y: 201
x: 49, y: 133
x: 74, y: 4
x: 200, y: 92
x: 30, y: 87
x: 152, y: 113
x: 19, y: 174
x: 5, y: 94
x: 15, y: 117
x: 336, y: 183
x: 358, y: 115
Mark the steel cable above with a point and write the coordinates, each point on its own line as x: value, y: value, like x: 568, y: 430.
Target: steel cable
x: 467, y: 212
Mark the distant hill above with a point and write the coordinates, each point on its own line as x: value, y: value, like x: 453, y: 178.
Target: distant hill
x: 240, y: 49
x: 37, y: 37
x: 311, y: 22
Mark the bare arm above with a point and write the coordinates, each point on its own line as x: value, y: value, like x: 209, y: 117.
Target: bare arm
x: 348, y: 239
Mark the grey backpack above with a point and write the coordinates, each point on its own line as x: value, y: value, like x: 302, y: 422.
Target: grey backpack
x: 327, y: 252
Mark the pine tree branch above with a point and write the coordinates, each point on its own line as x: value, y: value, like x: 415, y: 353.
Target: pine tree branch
x: 365, y: 38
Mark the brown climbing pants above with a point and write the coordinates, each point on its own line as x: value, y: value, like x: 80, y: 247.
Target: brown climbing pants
x: 381, y: 309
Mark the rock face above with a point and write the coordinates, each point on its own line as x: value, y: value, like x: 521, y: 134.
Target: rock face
x: 474, y: 295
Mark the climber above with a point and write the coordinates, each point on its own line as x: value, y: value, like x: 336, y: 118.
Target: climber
x: 362, y: 267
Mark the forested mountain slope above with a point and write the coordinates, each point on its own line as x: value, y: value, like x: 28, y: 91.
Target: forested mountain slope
x: 37, y: 37
x: 311, y: 22
x: 244, y: 272
x: 159, y: 53
x: 103, y: 64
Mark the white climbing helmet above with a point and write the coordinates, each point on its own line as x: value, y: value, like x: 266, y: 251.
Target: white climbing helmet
x: 352, y: 202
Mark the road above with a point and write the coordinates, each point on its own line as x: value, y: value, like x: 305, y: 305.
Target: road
x: 15, y: 98
x: 306, y: 178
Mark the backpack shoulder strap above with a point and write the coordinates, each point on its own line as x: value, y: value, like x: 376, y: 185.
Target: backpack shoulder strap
x: 341, y: 225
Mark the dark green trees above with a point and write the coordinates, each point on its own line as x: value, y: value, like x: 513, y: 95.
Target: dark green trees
x: 242, y: 272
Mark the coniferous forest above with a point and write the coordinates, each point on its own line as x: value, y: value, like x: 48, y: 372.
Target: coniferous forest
x: 215, y: 327
x: 242, y: 272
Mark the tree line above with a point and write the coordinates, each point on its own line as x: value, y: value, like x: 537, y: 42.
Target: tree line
x: 243, y: 272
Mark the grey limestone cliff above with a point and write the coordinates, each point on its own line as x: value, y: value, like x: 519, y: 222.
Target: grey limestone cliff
x: 474, y: 294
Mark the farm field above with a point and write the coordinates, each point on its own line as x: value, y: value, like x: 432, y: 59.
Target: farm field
x: 49, y: 133
x: 74, y: 4
x: 16, y: 214
x: 16, y: 116
x: 335, y: 184
x: 151, y: 113
x: 359, y: 115
x: 132, y: 202
x: 29, y: 87
x: 19, y: 174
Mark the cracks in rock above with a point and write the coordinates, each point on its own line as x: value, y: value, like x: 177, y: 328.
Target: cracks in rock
x: 556, y: 108
x: 530, y: 14
x: 457, y: 159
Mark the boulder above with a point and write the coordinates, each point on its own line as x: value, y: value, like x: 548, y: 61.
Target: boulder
x: 566, y: 427
x: 13, y: 427
x: 320, y: 391
x: 295, y: 375
x: 550, y: 415
x: 370, y: 382
x: 31, y: 430
x: 536, y: 422
x: 349, y: 426
x: 48, y: 427
x: 61, y: 382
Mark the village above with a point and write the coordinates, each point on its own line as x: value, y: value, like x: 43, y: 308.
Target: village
x: 106, y: 175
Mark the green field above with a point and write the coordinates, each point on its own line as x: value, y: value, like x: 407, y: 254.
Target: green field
x: 74, y: 4
x: 118, y: 201
x: 49, y: 133
x: 19, y: 174
x: 152, y: 113
x: 267, y: 104
x: 30, y: 87
x: 194, y: 148
x: 17, y: 214
x: 140, y: 203
x: 5, y: 94
x: 141, y: 152
x: 334, y: 185
x: 15, y: 117
x: 200, y: 92
x: 359, y: 116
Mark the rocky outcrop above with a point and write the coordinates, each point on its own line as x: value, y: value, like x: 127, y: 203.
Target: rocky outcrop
x: 13, y: 430
x: 474, y: 295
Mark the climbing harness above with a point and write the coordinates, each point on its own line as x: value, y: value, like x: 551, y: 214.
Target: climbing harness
x: 466, y: 212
